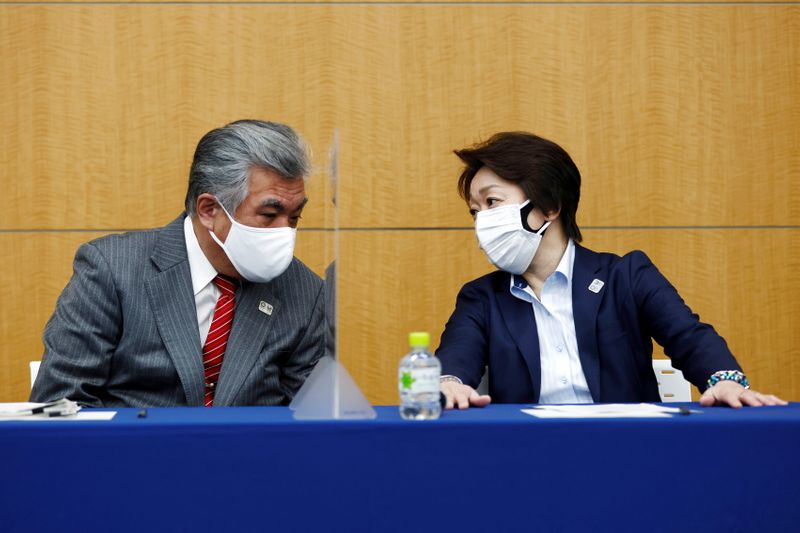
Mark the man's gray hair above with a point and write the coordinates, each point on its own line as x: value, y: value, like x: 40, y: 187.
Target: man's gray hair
x: 224, y: 157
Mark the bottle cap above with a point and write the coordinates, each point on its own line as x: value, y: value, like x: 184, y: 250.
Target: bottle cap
x: 419, y: 339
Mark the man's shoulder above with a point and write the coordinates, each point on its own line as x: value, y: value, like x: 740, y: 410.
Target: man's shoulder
x: 138, y: 245
x: 300, y: 270
x: 125, y: 240
x: 297, y: 276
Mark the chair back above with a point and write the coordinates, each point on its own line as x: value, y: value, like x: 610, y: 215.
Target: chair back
x: 34, y: 365
x: 672, y: 386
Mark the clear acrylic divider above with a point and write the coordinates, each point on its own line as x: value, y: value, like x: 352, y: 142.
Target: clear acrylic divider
x: 329, y: 391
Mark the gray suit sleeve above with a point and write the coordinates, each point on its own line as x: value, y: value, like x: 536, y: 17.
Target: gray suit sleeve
x: 82, y: 334
x: 311, y: 347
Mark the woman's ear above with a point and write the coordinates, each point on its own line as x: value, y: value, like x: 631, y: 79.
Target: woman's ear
x: 552, y: 214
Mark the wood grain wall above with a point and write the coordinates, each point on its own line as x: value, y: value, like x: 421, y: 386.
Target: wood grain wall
x: 684, y: 120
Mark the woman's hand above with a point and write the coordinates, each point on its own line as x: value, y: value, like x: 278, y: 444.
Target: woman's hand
x: 462, y: 396
x: 734, y: 395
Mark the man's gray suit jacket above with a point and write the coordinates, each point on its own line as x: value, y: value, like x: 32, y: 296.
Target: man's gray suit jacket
x: 125, y: 333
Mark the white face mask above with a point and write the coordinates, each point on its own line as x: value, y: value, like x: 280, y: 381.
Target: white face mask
x: 258, y: 254
x: 508, y: 245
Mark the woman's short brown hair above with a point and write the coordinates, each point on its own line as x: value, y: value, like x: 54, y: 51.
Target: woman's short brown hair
x: 544, y: 171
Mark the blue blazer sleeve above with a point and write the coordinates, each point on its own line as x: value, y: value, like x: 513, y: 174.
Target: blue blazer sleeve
x: 464, y: 344
x: 694, y: 347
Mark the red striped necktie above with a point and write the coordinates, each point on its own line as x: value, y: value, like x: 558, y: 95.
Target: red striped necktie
x: 217, y: 339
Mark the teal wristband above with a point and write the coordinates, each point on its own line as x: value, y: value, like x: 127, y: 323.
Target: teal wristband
x: 728, y: 375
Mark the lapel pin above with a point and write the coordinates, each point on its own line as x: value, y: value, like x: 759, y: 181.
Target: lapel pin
x: 264, y: 307
x: 596, y: 285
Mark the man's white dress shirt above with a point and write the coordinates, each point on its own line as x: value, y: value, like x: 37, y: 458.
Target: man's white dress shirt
x: 206, y: 293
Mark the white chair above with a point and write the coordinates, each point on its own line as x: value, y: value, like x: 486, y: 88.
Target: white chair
x: 672, y: 386
x: 34, y: 370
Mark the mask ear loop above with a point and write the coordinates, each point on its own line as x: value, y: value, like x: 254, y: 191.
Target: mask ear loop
x: 223, y: 208
x: 524, y: 211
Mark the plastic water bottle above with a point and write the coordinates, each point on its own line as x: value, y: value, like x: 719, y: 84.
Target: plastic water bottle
x: 419, y: 380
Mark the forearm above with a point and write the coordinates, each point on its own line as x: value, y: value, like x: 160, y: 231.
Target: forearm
x: 308, y: 351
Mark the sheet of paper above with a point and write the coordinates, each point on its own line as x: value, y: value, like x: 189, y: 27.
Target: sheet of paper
x: 15, y: 408
x: 62, y: 409
x: 80, y: 415
x: 608, y: 410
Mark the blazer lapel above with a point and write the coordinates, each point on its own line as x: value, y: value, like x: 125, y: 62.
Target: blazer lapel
x: 585, y: 304
x: 172, y: 302
x: 518, y: 316
x: 251, y: 325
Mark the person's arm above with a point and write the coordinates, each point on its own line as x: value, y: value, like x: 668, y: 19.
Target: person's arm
x: 694, y: 347
x: 733, y: 394
x: 462, y: 351
x: 81, y: 335
x: 308, y: 351
x: 457, y: 394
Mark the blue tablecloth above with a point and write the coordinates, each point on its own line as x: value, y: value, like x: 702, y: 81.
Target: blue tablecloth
x: 492, y: 469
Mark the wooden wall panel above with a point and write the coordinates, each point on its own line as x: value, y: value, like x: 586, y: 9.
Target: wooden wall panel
x: 108, y: 103
x: 675, y: 114
x: 344, y: 3
x: 742, y: 282
x: 37, y: 266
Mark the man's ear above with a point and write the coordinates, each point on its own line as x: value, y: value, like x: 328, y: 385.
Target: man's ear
x: 206, y: 209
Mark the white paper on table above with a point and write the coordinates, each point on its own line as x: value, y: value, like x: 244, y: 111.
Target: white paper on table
x: 81, y: 415
x: 603, y: 410
x: 58, y: 410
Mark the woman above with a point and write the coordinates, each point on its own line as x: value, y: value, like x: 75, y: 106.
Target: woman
x: 559, y: 323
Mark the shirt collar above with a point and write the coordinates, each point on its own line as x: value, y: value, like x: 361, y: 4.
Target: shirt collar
x: 567, y: 262
x: 519, y: 286
x: 199, y: 266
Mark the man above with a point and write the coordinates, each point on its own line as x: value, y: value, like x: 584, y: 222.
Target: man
x: 212, y: 309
